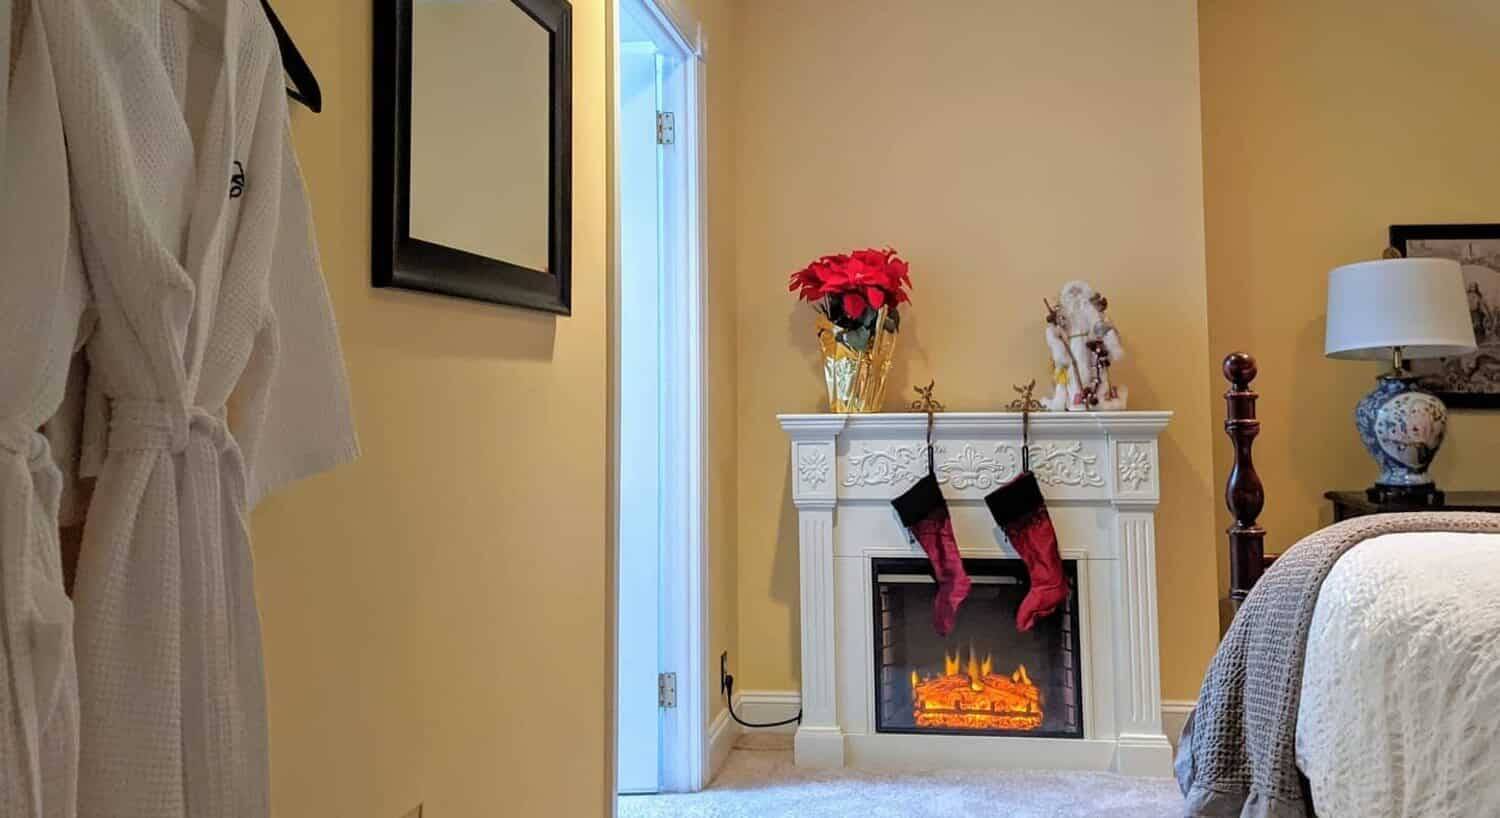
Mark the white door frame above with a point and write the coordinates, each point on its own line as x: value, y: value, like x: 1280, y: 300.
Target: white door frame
x: 684, y: 566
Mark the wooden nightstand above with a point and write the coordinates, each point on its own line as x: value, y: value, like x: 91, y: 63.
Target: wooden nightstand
x: 1348, y: 504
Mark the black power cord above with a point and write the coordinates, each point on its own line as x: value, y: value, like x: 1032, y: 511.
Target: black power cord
x: 729, y: 696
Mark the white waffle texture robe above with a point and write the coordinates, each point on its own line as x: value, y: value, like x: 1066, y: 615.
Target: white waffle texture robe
x: 215, y: 375
x: 42, y: 303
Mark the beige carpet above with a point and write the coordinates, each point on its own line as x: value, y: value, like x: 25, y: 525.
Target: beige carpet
x: 763, y: 783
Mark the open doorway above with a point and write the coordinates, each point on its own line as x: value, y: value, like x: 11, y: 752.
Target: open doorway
x: 659, y: 400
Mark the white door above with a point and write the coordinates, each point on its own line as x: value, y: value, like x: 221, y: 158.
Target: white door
x: 647, y: 267
x: 659, y: 403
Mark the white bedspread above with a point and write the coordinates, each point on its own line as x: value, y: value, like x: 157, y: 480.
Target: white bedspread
x: 1400, y: 702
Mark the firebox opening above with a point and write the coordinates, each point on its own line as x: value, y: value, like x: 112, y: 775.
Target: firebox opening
x: 984, y: 678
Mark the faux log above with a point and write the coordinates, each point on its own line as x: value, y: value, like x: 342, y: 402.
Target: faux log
x: 1243, y: 492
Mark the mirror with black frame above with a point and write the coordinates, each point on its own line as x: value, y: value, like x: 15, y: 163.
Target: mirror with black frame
x: 472, y: 156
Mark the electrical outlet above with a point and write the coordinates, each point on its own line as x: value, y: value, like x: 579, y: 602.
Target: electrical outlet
x: 723, y: 673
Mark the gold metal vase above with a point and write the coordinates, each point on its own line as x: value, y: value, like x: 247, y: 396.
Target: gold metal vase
x: 856, y: 379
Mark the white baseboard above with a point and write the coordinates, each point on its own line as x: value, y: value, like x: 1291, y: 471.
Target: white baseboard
x: 1174, y: 713
x: 722, y: 732
x: 776, y: 705
x: 764, y: 706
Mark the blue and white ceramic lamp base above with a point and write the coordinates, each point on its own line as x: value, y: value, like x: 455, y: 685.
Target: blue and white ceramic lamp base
x: 1402, y: 426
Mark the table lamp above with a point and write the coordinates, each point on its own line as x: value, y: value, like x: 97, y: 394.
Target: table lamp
x: 1397, y: 309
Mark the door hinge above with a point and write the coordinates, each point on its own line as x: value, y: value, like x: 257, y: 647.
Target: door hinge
x: 666, y: 128
x: 666, y: 690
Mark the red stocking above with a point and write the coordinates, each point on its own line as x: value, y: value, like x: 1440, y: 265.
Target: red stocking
x: 925, y: 514
x: 1019, y: 510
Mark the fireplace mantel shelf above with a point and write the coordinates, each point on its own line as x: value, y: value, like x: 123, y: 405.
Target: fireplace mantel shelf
x: 1100, y: 474
x: 985, y: 422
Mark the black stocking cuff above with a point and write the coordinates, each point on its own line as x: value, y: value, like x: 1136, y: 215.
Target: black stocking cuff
x: 918, y: 502
x: 1015, y: 500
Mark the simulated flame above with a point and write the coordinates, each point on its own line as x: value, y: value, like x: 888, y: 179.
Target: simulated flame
x: 971, y: 696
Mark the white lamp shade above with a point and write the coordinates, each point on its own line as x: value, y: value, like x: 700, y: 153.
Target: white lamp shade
x: 1418, y: 304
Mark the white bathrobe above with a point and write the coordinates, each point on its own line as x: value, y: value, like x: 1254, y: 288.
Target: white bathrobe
x: 41, y: 305
x: 216, y: 371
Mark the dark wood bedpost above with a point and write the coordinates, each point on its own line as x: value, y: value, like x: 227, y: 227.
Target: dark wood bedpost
x: 1243, y: 492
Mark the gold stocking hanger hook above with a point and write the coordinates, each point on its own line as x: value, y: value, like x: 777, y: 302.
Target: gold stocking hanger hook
x: 1025, y: 404
x: 925, y: 402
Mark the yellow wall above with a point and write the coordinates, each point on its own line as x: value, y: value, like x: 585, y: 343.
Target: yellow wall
x: 435, y: 614
x: 717, y: 18
x: 1004, y: 148
x: 1324, y: 122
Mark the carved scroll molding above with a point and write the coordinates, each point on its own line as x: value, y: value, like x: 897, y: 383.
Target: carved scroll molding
x: 891, y: 466
x: 970, y: 466
x: 1065, y: 464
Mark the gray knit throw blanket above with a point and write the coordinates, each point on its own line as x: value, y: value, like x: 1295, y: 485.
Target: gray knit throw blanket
x: 1238, y: 755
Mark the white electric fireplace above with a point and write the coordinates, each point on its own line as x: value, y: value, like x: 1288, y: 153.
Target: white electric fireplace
x: 881, y: 689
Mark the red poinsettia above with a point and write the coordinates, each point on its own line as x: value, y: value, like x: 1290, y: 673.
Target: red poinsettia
x: 850, y: 284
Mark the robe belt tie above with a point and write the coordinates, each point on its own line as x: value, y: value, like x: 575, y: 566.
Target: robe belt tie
x: 148, y: 425
x: 217, y: 645
x: 19, y: 440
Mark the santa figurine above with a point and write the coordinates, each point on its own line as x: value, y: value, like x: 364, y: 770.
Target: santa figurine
x: 1084, y: 344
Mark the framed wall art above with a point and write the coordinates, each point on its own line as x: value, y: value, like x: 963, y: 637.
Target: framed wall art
x: 473, y: 150
x: 1465, y: 381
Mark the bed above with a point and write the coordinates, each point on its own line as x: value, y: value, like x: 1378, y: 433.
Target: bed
x: 1361, y: 674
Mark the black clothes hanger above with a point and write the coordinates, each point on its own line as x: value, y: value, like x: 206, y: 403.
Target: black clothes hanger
x: 304, y: 85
